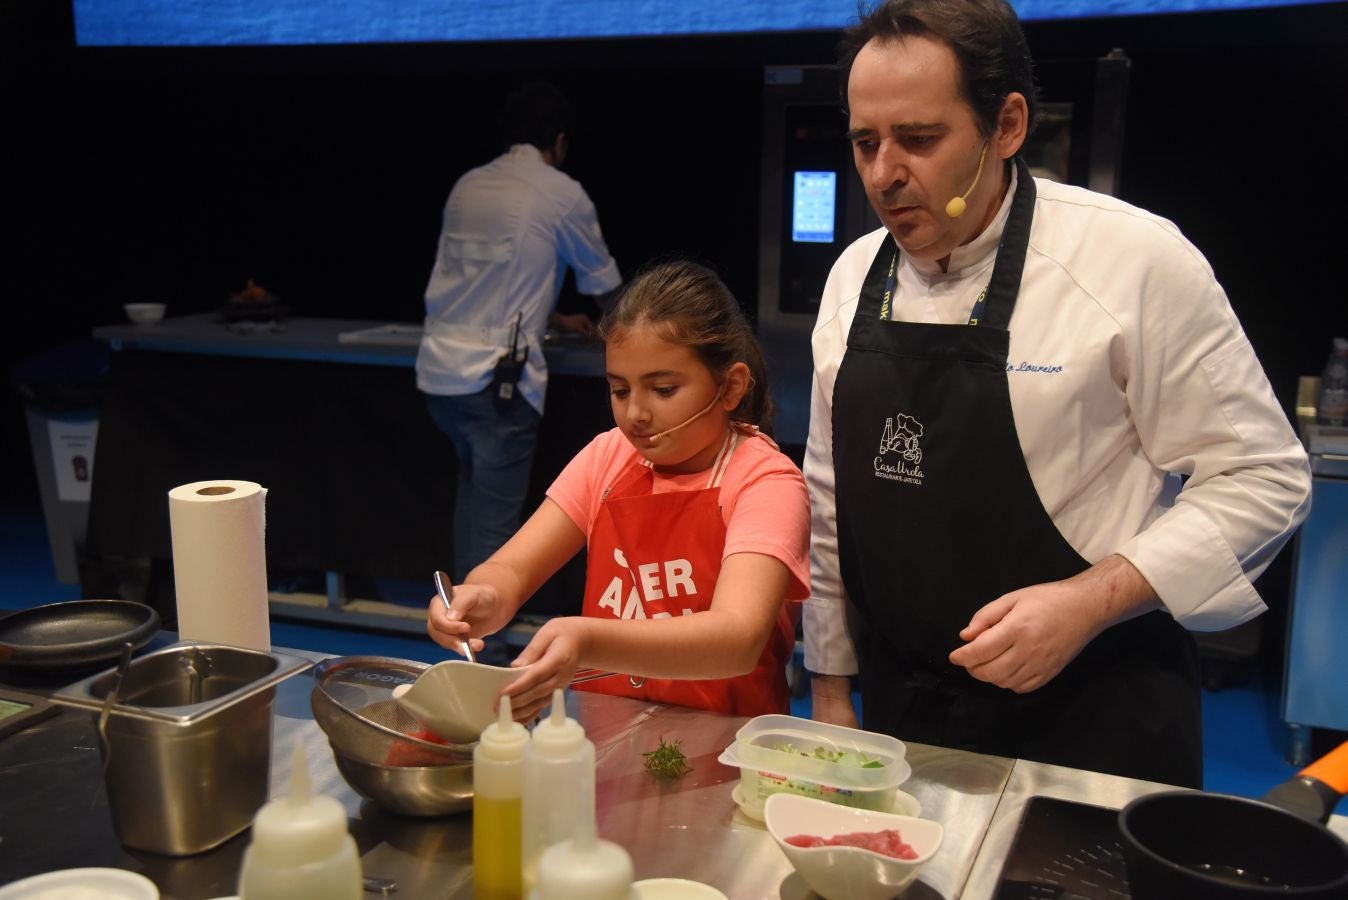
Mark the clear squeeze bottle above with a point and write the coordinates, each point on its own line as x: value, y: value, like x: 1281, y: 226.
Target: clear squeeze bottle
x: 497, y: 762
x: 558, y: 783
x: 300, y: 848
x: 1331, y: 401
x: 584, y: 867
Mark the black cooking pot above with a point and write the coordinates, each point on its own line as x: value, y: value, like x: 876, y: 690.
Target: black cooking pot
x: 1188, y: 845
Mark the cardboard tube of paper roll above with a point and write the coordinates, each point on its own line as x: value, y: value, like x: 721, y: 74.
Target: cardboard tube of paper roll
x: 220, y: 562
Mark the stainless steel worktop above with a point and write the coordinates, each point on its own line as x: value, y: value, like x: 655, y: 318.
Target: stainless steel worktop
x: 322, y: 340
x: 54, y: 813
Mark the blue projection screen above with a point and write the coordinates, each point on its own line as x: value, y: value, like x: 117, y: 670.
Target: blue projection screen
x: 176, y: 23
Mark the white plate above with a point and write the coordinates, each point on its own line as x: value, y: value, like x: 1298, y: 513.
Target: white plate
x: 905, y: 804
x: 79, y: 884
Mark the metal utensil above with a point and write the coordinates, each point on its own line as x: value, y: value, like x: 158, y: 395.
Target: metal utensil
x: 123, y: 663
x: 381, y: 886
x: 445, y: 588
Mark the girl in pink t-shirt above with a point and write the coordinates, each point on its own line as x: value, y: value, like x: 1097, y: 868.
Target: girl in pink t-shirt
x: 696, y: 525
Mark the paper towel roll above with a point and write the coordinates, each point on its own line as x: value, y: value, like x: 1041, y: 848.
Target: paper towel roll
x: 220, y: 562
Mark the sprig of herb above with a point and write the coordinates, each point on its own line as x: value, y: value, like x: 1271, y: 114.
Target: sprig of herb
x: 667, y: 761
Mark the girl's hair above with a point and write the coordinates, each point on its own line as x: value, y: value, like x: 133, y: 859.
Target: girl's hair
x: 686, y: 303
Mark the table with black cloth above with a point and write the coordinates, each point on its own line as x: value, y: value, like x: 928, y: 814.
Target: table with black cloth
x: 359, y: 479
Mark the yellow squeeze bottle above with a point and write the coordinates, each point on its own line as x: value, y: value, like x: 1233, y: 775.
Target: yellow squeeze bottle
x: 496, y: 808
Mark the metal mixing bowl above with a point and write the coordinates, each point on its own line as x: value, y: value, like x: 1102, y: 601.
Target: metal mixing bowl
x: 410, y: 790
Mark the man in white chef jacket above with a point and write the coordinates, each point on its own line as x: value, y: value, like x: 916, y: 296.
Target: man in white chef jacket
x: 1009, y: 376
x: 510, y: 230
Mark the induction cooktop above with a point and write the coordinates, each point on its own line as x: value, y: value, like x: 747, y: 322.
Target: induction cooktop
x: 1064, y: 850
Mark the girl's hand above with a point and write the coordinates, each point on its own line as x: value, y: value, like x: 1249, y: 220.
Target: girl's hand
x: 552, y: 657
x: 466, y: 618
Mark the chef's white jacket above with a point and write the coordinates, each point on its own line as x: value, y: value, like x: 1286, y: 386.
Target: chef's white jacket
x: 1127, y: 368
x: 509, y: 231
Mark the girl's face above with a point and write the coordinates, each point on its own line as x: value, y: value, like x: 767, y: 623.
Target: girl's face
x: 655, y: 385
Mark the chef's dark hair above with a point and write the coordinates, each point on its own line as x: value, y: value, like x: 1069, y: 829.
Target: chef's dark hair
x: 686, y: 303
x: 535, y: 114
x: 994, y: 59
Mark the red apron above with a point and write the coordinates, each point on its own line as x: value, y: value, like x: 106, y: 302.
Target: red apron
x: 653, y: 556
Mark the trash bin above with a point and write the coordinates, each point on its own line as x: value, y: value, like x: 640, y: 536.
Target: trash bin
x: 61, y: 392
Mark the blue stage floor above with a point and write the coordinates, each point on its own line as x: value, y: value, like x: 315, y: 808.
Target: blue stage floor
x: 1244, y: 738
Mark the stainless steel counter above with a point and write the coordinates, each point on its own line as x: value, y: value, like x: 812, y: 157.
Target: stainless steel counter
x: 321, y: 340
x: 54, y: 813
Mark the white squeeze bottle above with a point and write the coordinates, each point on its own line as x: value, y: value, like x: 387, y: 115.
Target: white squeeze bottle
x: 584, y: 867
x: 301, y: 849
x: 558, y: 782
x: 497, y: 763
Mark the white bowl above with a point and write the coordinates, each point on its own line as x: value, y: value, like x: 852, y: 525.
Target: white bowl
x: 848, y: 873
x: 112, y: 884
x: 675, y: 889
x: 455, y: 698
x: 145, y: 313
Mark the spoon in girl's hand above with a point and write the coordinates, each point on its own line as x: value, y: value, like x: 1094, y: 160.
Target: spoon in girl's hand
x: 445, y: 588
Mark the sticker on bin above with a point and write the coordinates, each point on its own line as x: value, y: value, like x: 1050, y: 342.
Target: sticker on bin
x: 777, y: 754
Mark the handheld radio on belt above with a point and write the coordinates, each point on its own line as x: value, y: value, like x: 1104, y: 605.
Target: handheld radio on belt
x: 508, y: 370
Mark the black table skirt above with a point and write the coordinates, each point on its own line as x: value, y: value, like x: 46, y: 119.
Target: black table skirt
x: 359, y: 478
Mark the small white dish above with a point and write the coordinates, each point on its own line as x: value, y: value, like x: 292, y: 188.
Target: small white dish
x: 455, y: 698
x: 110, y: 884
x: 842, y: 872
x: 675, y: 889
x: 905, y: 804
x: 145, y: 313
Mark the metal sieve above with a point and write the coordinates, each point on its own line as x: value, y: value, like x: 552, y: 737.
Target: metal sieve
x: 353, y: 703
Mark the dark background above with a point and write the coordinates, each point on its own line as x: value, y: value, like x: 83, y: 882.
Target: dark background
x: 175, y: 174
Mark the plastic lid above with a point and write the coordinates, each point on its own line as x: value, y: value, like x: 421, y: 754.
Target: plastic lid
x: 584, y: 868
x: 559, y: 734
x: 505, y: 738
x: 301, y: 827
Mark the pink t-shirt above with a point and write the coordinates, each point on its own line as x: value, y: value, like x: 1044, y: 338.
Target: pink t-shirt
x: 763, y: 498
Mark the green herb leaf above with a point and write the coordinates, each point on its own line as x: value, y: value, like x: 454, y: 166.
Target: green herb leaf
x: 667, y: 760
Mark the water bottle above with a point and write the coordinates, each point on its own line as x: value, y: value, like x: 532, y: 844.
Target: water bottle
x: 301, y: 849
x: 497, y: 762
x: 558, y: 787
x: 1331, y: 403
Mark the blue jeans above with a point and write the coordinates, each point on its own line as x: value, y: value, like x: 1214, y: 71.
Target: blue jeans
x: 496, y: 454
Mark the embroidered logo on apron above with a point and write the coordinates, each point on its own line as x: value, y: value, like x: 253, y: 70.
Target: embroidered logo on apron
x: 900, y: 454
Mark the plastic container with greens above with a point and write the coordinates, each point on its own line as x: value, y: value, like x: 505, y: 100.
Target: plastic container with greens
x: 785, y: 754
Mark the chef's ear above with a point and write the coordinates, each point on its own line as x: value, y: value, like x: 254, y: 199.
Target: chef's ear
x: 738, y: 380
x: 1013, y: 125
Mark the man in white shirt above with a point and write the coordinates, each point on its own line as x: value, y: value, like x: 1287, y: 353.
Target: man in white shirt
x: 510, y: 230
x: 1011, y: 378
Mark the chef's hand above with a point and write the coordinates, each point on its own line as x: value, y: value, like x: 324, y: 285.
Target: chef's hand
x: 470, y: 609
x: 1022, y: 640
x: 552, y: 657
x: 831, y: 700
x: 577, y: 322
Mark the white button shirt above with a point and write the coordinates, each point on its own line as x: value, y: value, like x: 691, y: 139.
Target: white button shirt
x: 509, y: 231
x: 1127, y: 367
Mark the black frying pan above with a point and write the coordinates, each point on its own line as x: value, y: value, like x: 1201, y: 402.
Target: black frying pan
x: 74, y: 633
x: 1188, y: 845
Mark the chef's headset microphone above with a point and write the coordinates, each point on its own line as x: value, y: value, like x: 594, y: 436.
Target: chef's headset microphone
x: 691, y: 419
x: 956, y: 207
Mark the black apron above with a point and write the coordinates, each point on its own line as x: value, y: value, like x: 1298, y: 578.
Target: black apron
x: 937, y: 516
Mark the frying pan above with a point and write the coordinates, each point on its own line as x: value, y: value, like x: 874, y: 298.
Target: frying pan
x: 1197, y: 846
x: 74, y: 633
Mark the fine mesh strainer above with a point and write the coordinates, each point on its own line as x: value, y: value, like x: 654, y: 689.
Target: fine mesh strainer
x: 353, y: 703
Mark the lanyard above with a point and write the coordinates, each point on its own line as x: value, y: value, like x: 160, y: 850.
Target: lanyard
x: 891, y: 283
